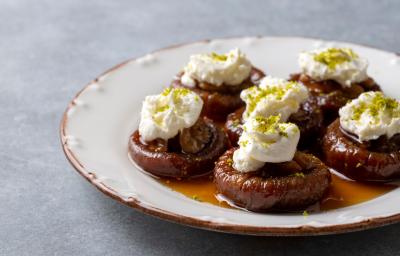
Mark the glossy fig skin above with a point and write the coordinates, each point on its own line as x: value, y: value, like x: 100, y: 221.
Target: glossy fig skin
x: 219, y: 101
x: 233, y: 126
x: 274, y: 186
x: 159, y: 161
x: 309, y: 119
x: 331, y: 96
x: 361, y: 161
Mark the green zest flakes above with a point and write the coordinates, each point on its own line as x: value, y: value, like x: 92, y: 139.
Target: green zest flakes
x: 167, y: 91
x: 236, y: 123
x: 335, y: 56
x: 160, y: 109
x: 271, y: 125
x: 299, y: 174
x: 177, y: 94
x: 243, y: 143
x: 255, y: 94
x: 305, y: 214
x: 267, y: 124
x: 358, y: 111
x: 379, y: 103
x: 218, y: 57
x: 195, y: 197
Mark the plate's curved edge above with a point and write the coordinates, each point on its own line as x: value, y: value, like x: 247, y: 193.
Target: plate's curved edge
x: 303, y: 230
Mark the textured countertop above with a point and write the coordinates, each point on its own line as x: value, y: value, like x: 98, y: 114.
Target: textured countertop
x: 50, y: 49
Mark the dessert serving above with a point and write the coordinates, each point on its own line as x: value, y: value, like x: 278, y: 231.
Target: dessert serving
x: 225, y: 147
x: 172, y: 139
x: 364, y: 142
x: 334, y: 76
x: 274, y: 96
x: 219, y: 79
x: 270, y: 162
x: 266, y: 172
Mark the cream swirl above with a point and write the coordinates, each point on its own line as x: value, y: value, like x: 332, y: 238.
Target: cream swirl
x: 265, y: 139
x: 274, y: 96
x: 164, y: 115
x: 340, y: 64
x: 370, y: 116
x: 228, y: 69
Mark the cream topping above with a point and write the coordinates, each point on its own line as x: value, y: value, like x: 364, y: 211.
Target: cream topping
x: 165, y: 114
x: 231, y: 68
x: 265, y: 139
x: 274, y: 96
x: 370, y: 116
x: 340, y: 64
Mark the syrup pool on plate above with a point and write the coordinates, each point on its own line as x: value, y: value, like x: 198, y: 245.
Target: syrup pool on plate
x: 342, y: 192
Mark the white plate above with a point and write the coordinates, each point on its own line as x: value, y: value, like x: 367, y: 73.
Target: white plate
x: 98, y: 122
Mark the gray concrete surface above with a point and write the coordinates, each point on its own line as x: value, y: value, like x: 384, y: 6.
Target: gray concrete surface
x: 50, y: 49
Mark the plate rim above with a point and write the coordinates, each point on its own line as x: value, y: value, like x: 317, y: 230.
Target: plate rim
x: 303, y: 230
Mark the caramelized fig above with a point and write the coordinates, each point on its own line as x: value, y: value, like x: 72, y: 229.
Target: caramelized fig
x: 308, y: 118
x: 219, y: 101
x: 331, y: 95
x: 292, y: 185
x: 174, y: 160
x: 377, y: 160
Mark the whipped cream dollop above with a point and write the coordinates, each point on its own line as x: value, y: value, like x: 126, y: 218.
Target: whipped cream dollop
x: 265, y: 139
x: 340, y: 64
x: 165, y: 114
x: 370, y: 116
x: 231, y: 68
x: 274, y: 96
